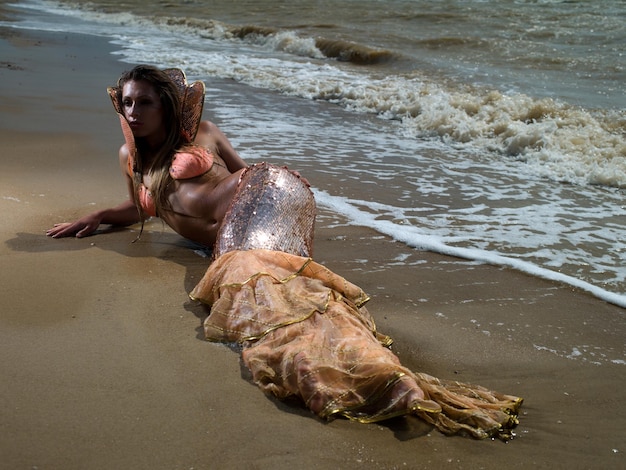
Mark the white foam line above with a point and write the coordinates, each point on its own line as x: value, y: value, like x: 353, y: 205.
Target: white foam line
x: 412, y: 236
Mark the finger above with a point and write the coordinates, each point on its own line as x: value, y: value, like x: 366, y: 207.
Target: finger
x: 56, y: 233
x: 60, y: 230
x: 84, y: 232
x: 57, y: 227
x: 52, y: 231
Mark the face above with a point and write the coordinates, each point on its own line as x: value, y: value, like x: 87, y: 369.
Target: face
x: 142, y: 109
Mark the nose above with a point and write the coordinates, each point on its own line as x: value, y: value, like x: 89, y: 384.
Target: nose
x: 131, y: 110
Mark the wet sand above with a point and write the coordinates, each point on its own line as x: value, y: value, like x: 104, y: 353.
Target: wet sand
x: 103, y: 362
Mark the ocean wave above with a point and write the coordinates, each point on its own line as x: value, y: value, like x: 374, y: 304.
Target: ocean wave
x: 556, y: 141
x: 356, y: 53
x: 288, y: 41
x: 278, y: 40
x: 251, y: 30
x: 292, y: 42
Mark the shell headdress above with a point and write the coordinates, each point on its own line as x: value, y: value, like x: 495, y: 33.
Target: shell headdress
x: 191, y: 100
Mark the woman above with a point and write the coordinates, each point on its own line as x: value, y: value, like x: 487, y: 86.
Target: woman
x: 304, y: 330
x: 160, y: 117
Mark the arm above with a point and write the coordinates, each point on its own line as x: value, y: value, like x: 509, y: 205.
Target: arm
x: 209, y: 135
x: 122, y: 215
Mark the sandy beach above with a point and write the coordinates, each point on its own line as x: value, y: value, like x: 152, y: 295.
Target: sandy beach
x: 103, y: 363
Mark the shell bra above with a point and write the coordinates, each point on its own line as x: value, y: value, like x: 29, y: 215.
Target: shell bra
x: 189, y: 164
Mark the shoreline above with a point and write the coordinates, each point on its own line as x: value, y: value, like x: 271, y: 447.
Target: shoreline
x: 103, y: 362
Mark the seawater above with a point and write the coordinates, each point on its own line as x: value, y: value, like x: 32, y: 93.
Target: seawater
x: 489, y: 130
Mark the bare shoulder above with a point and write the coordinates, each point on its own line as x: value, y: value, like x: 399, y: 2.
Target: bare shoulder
x: 124, y: 153
x: 124, y: 157
x: 206, y: 127
x: 209, y: 134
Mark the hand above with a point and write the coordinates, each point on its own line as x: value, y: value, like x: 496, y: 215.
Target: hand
x: 79, y: 228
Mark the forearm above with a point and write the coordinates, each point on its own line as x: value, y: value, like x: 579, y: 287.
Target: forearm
x: 121, y: 215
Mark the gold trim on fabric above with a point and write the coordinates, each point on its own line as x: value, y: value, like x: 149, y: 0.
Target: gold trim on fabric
x: 270, y: 329
x: 264, y: 273
x: 255, y: 276
x: 383, y: 339
x: 351, y: 412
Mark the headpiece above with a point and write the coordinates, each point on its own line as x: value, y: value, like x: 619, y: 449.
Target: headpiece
x: 191, y: 101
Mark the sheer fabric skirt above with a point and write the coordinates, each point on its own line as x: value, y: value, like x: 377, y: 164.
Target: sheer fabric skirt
x: 306, y: 333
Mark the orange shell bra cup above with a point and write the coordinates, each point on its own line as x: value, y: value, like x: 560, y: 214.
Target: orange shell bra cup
x: 191, y: 163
